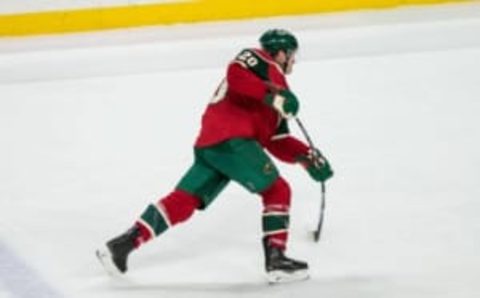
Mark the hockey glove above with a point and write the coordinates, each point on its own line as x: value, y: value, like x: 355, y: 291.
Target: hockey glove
x: 284, y: 102
x: 316, y: 165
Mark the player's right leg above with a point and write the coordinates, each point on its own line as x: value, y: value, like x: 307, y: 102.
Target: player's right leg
x: 275, y: 224
x: 196, y: 190
x: 244, y: 161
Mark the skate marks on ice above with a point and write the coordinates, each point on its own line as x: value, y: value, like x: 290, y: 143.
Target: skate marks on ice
x: 338, y: 287
x: 19, y: 279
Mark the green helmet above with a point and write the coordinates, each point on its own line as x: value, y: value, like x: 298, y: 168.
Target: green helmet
x: 275, y: 40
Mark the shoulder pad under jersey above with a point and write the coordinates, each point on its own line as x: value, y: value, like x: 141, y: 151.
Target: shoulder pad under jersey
x: 251, y: 60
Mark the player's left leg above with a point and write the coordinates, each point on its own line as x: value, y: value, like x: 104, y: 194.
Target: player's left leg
x: 196, y: 190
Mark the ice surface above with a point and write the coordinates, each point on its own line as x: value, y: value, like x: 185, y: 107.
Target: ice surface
x: 90, y: 135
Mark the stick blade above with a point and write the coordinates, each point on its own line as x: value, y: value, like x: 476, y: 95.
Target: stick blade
x: 316, y: 236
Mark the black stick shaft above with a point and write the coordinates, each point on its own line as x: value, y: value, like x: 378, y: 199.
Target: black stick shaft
x: 305, y: 133
x: 316, y: 233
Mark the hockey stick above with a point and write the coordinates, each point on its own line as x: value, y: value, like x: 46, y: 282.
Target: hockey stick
x: 316, y: 233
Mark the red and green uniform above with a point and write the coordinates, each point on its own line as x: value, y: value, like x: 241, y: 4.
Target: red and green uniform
x: 238, y: 109
x: 237, y: 127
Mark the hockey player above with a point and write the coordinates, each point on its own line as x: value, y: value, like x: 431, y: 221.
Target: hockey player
x: 247, y: 115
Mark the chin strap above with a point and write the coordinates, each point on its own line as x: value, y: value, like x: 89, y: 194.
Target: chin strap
x: 288, y: 54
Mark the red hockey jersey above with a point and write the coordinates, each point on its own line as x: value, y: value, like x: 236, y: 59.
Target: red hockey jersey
x: 238, y: 110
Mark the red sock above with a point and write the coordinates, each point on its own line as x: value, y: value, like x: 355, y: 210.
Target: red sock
x: 276, y: 207
x: 179, y: 206
x: 173, y: 209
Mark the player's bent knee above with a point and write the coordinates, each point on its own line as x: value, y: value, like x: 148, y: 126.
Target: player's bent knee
x: 278, y: 193
x: 179, y: 206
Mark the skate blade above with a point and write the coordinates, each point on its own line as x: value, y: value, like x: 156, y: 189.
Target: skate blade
x: 277, y: 276
x: 105, y: 257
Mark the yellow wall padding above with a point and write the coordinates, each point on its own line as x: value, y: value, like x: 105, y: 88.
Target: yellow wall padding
x: 103, y: 18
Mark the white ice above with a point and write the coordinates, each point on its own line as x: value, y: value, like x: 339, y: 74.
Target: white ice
x: 93, y: 127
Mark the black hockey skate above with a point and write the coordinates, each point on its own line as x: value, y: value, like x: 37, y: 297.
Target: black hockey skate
x: 115, y: 253
x: 281, y: 268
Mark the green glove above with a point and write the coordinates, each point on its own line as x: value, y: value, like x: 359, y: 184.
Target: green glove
x: 316, y: 165
x: 284, y: 102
